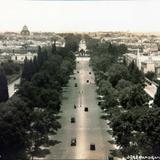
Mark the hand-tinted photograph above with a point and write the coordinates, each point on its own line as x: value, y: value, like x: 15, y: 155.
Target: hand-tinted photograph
x: 79, y: 79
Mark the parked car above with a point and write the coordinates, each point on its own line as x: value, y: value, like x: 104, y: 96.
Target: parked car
x: 110, y: 158
x: 77, y: 71
x: 73, y: 120
x: 74, y: 78
x: 87, y: 81
x: 86, y: 109
x: 73, y: 142
x: 92, y: 147
x: 89, y: 72
x: 100, y: 97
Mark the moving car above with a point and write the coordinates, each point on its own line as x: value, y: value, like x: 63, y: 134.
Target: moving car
x: 75, y: 85
x: 73, y: 120
x: 73, y: 142
x: 86, y: 109
x: 92, y: 147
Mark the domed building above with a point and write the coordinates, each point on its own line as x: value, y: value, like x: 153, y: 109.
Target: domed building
x: 25, y: 31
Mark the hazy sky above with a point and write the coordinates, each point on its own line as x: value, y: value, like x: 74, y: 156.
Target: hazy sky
x: 60, y: 16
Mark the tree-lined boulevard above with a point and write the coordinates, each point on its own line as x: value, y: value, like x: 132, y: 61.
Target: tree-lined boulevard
x: 88, y: 128
x: 70, y: 104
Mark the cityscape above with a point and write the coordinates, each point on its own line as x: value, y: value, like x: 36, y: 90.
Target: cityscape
x: 79, y: 94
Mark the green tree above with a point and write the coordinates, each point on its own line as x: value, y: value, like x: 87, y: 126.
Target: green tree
x: 3, y: 87
x: 54, y: 48
x: 157, y: 97
x: 72, y: 42
x: 117, y: 72
x: 122, y: 83
x: 150, y: 75
x: 136, y: 76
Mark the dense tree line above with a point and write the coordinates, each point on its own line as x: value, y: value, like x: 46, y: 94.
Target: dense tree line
x: 11, y: 68
x: 72, y: 41
x: 7, y: 69
x: 27, y: 119
x: 135, y: 126
x: 3, y: 86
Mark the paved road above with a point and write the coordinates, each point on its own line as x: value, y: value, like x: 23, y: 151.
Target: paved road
x: 89, y: 128
x: 11, y: 89
x: 150, y: 90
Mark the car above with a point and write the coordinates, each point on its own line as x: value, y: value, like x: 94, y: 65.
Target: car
x: 100, y: 97
x: 110, y: 158
x: 89, y: 72
x: 75, y: 85
x: 77, y: 71
x: 73, y: 142
x: 75, y: 106
x: 86, y: 109
x: 73, y: 120
x: 99, y: 103
x: 92, y: 147
x: 87, y: 81
x: 74, y: 78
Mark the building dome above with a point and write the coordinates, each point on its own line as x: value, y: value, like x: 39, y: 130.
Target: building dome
x: 25, y: 31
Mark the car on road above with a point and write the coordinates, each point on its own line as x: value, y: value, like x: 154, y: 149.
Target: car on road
x: 86, y: 109
x: 75, y: 85
x: 73, y: 120
x: 87, y: 81
x: 73, y: 142
x: 100, y: 102
x: 75, y: 106
x: 110, y: 158
x: 92, y: 147
x: 100, y: 97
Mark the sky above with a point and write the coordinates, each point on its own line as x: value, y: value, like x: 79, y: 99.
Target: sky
x: 80, y: 16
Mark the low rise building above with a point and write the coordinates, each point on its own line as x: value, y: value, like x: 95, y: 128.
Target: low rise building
x: 19, y: 58
x: 145, y: 62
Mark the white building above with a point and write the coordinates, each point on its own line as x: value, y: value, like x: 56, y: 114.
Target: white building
x: 82, y: 45
x: 19, y: 58
x: 145, y: 62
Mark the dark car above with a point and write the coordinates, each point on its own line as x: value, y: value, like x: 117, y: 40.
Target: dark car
x: 99, y: 103
x: 77, y: 71
x: 74, y: 78
x: 92, y: 147
x: 87, y: 81
x: 89, y: 72
x: 110, y: 158
x: 75, y: 85
x: 73, y: 142
x: 73, y: 120
x: 86, y: 109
